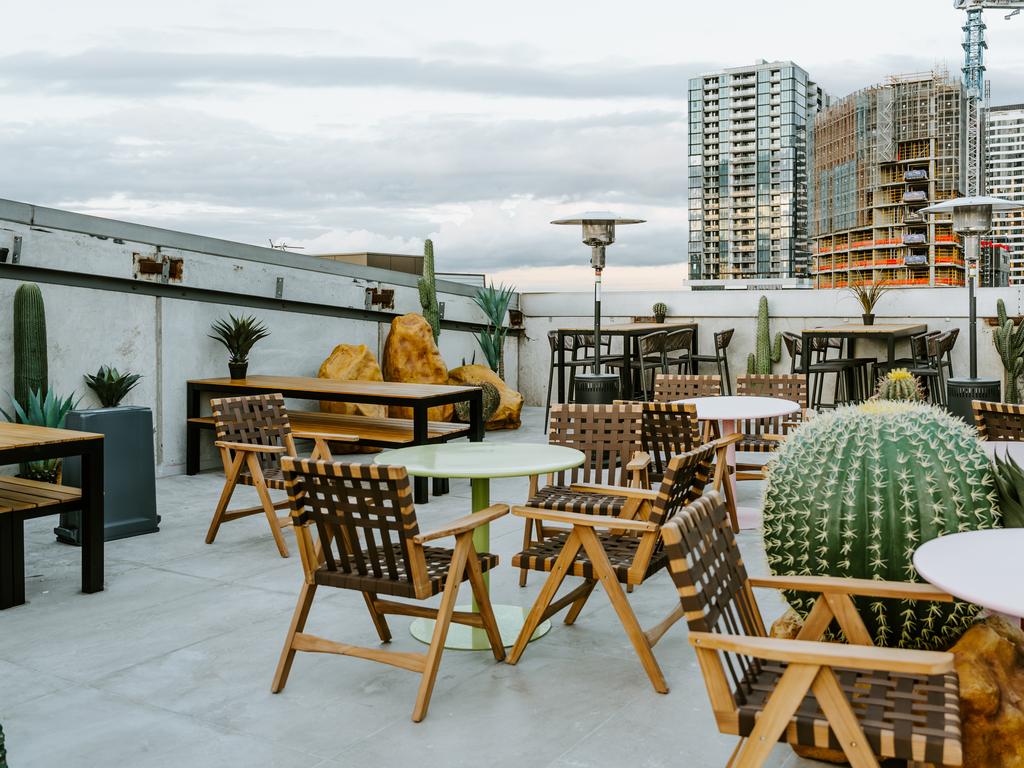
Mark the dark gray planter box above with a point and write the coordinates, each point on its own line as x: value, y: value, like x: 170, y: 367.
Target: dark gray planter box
x: 129, y: 481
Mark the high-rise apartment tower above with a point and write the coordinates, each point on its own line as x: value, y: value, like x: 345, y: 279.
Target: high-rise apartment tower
x: 751, y: 137
x: 1004, y: 171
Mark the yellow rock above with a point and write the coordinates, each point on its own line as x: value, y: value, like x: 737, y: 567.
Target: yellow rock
x: 507, y: 416
x: 411, y: 356
x: 352, y: 362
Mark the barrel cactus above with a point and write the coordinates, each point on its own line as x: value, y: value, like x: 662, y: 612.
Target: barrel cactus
x: 660, y: 309
x: 766, y: 351
x: 428, y: 290
x: 855, y: 492
x: 30, y: 361
x: 899, y: 384
x: 491, y: 397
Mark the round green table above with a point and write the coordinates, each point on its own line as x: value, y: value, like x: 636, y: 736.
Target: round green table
x: 479, y: 462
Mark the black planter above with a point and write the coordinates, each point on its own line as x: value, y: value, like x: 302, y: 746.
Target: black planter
x: 238, y: 370
x: 868, y: 318
x: 129, y: 484
x: 659, y: 319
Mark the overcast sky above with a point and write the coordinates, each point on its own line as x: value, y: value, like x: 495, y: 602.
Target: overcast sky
x: 346, y: 126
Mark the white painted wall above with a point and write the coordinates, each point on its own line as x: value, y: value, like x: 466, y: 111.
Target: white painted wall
x: 791, y: 310
x: 165, y: 339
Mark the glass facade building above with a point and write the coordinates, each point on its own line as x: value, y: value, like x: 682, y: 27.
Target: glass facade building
x: 751, y: 137
x: 1004, y: 173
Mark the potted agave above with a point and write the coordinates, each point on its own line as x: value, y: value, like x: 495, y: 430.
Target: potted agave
x: 40, y: 410
x: 239, y: 335
x: 867, y: 295
x: 129, y: 476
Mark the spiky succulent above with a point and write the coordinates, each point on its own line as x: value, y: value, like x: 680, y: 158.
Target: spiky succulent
x: 660, y: 309
x: 427, y: 286
x: 1009, y: 341
x: 1009, y: 478
x: 491, y: 398
x: 111, y: 386
x: 40, y: 410
x: 766, y: 351
x: 239, y: 334
x: 854, y: 493
x: 899, y: 384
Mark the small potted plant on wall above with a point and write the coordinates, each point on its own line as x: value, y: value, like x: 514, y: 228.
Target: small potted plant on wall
x: 868, y: 294
x: 239, y: 335
x: 660, y: 310
x: 129, y: 477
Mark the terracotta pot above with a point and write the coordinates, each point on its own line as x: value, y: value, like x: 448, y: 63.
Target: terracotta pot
x: 238, y: 370
x: 869, y: 319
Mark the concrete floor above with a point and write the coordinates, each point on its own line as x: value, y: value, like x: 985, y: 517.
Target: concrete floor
x: 171, y: 664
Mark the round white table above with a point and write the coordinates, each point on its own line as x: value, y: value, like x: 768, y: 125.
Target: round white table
x: 727, y: 411
x: 480, y: 462
x: 981, y: 567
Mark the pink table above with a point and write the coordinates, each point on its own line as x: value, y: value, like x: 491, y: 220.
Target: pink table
x: 729, y: 410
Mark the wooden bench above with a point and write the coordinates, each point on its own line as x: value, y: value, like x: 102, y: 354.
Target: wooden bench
x: 372, y: 431
x: 21, y: 500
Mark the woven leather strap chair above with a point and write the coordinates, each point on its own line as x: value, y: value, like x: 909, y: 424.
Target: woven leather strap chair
x: 999, y: 421
x: 869, y: 702
x: 674, y: 386
x: 766, y: 435
x: 609, y: 438
x: 253, y: 433
x: 602, y: 546
x: 367, y: 539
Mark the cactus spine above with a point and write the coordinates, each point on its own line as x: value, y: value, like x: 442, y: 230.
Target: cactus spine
x: 854, y: 493
x: 899, y: 384
x: 1009, y: 341
x: 766, y: 351
x: 30, y: 363
x: 428, y: 290
x: 491, y: 400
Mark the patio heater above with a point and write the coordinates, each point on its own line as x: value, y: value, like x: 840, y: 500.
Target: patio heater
x: 598, y: 232
x: 972, y: 218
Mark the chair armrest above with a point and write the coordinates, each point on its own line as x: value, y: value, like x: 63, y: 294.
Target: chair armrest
x: 591, y: 521
x: 464, y: 524
x: 643, y: 494
x: 863, y: 657
x: 640, y: 460
x: 333, y: 437
x: 253, y: 448
x: 725, y: 442
x: 905, y: 590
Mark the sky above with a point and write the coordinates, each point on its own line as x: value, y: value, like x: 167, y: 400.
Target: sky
x: 350, y: 126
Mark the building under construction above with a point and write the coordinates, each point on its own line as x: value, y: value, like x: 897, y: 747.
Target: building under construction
x: 880, y: 156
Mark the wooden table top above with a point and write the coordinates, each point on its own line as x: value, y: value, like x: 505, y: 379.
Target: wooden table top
x: 625, y: 328
x: 314, y: 386
x: 878, y: 329
x: 26, y: 435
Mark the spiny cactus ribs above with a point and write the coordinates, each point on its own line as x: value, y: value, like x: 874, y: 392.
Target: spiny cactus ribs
x: 767, y: 351
x: 1009, y: 341
x: 428, y: 290
x: 30, y: 361
x: 899, y: 384
x: 854, y: 493
x: 491, y: 398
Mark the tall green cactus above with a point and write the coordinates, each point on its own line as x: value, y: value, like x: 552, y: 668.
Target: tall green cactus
x: 428, y: 290
x: 1009, y: 341
x: 30, y: 362
x: 766, y: 351
x: 3, y: 749
x: 853, y: 493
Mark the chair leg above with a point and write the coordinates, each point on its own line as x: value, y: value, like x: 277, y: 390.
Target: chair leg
x: 836, y: 708
x: 527, y: 541
x: 579, y: 602
x: 230, y: 480
x: 483, y: 601
x: 603, y: 569
x: 268, y: 505
x: 547, y: 400
x: 284, y: 666
x: 380, y: 622
x: 441, y: 624
x: 727, y: 379
x: 788, y: 694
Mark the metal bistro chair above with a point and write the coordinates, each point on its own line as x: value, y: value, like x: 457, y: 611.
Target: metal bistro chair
x: 999, y: 421
x: 367, y: 539
x: 679, y: 350
x: 720, y: 358
x: 573, y: 362
x: 649, y: 358
x: 931, y: 369
x: 253, y: 434
x: 869, y: 702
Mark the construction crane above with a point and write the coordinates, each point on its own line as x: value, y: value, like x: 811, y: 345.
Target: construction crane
x: 974, y: 81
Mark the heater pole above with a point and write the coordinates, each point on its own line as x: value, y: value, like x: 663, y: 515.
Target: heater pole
x: 597, y: 320
x: 971, y: 244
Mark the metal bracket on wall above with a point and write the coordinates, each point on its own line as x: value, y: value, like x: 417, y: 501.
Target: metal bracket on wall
x: 13, y: 253
x: 279, y: 288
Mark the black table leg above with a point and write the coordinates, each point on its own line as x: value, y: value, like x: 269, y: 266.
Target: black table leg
x: 92, y: 517
x: 805, y: 363
x: 420, y: 486
x: 477, y: 428
x: 627, y: 367
x: 890, y: 349
x: 12, y: 560
x: 192, y: 410
x: 561, y: 367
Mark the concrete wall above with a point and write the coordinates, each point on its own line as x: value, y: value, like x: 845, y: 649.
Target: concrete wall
x: 165, y: 339
x: 791, y: 310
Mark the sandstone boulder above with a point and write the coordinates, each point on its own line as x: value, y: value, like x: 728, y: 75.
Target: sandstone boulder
x: 411, y: 356
x: 510, y: 406
x: 352, y: 362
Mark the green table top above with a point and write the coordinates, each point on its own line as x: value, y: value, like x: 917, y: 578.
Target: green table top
x: 482, y: 460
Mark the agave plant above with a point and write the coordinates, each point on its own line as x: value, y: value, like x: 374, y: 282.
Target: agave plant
x: 1009, y: 477
x: 868, y: 294
x: 39, y: 411
x: 111, y: 386
x: 494, y: 301
x: 239, y: 334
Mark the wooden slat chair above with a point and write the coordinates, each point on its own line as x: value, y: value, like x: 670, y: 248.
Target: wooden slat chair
x: 253, y: 433
x: 609, y: 438
x: 674, y: 386
x: 999, y: 421
x: 368, y: 540
x: 668, y: 429
x: 766, y: 435
x: 869, y: 702
x: 602, y: 546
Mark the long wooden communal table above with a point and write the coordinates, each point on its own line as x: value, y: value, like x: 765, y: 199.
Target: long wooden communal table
x: 417, y: 397
x: 22, y: 499
x: 629, y: 332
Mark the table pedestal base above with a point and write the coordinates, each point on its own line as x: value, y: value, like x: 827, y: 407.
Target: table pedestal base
x: 464, y: 638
